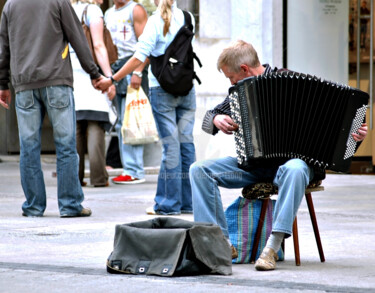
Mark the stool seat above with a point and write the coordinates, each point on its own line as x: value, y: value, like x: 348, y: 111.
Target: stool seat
x: 264, y: 191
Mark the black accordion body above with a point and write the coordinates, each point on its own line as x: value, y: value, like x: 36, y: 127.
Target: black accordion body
x: 292, y: 115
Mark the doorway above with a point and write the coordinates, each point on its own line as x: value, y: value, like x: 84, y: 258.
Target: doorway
x: 361, y: 74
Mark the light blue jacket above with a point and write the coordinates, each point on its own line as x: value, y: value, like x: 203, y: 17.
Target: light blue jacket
x: 152, y: 42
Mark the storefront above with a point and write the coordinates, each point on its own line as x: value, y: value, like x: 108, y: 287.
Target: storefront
x: 320, y: 37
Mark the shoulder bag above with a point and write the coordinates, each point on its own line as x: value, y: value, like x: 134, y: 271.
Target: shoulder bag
x: 108, y: 42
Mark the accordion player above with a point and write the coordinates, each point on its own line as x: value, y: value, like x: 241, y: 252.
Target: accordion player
x: 285, y: 115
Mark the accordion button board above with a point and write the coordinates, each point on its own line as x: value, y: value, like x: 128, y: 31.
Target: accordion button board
x: 290, y: 115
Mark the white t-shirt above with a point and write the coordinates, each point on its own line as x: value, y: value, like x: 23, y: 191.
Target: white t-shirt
x: 120, y: 24
x: 93, y: 12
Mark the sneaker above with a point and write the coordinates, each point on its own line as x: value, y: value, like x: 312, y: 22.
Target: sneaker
x: 127, y: 179
x: 267, y: 260
x: 151, y: 211
x: 234, y: 252
x: 189, y: 212
x: 86, y: 212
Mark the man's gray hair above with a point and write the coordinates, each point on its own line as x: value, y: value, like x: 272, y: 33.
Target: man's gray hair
x: 236, y: 54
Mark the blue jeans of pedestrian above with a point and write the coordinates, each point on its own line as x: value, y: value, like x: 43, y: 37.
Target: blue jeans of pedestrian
x: 174, y: 117
x: 131, y: 155
x: 206, y: 177
x: 31, y: 107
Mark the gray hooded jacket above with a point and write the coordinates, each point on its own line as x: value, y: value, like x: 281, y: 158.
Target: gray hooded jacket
x: 34, y: 37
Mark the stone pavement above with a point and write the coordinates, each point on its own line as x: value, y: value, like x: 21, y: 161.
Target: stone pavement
x: 52, y: 254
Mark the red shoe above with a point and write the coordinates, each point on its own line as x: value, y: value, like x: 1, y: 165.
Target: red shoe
x: 127, y: 179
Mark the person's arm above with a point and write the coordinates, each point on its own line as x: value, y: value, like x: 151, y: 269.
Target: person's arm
x: 4, y: 53
x: 139, y: 22
x: 126, y: 69
x: 74, y: 33
x: 96, y: 30
x: 219, y: 118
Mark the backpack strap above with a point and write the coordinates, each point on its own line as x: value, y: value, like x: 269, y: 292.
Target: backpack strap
x: 84, y: 15
x: 197, y: 59
x: 188, y: 22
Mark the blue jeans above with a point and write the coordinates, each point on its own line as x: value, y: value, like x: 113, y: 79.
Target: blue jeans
x: 31, y: 107
x: 174, y: 117
x: 131, y: 155
x: 206, y: 177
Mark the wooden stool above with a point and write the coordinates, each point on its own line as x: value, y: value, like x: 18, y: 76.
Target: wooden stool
x: 267, y: 189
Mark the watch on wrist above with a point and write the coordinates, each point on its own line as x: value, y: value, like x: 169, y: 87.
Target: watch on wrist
x: 138, y: 73
x: 114, y: 82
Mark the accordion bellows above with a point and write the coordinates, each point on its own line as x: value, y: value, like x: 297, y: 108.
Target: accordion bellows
x: 292, y: 115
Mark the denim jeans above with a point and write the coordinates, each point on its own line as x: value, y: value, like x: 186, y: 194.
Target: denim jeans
x: 31, y: 107
x: 174, y: 117
x: 206, y: 177
x: 131, y: 155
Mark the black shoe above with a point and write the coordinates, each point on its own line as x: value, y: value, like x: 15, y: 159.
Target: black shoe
x: 30, y: 216
x: 234, y: 252
x: 86, y: 212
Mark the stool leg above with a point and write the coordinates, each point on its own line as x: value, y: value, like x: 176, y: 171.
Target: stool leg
x: 296, y: 242
x: 310, y: 205
x: 259, y: 230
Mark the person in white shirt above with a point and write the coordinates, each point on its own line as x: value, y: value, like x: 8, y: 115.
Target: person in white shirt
x: 126, y: 20
x: 92, y: 107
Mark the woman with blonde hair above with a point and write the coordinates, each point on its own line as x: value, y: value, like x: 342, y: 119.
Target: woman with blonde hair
x: 174, y: 116
x: 92, y: 107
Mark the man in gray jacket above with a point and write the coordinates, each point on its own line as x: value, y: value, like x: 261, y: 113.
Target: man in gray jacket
x: 34, y: 57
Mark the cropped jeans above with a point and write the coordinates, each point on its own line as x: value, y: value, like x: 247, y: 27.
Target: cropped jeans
x: 206, y: 177
x: 31, y: 107
x: 174, y: 117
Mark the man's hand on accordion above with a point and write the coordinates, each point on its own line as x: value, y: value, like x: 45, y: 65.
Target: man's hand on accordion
x: 225, y: 123
x: 362, y: 132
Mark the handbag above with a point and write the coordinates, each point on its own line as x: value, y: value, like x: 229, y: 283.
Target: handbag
x: 169, y: 247
x: 107, y: 39
x: 138, y: 126
x: 242, y: 217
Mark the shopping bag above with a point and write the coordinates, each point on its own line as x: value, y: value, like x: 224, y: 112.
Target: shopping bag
x: 169, y: 247
x: 112, y: 112
x: 242, y: 217
x: 138, y: 125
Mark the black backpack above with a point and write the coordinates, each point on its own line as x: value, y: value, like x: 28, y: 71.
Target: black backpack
x: 175, y: 69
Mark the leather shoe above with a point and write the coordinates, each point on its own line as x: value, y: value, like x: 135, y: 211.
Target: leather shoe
x: 31, y: 216
x: 267, y: 260
x: 234, y: 252
x: 102, y: 185
x: 151, y: 211
x: 86, y: 212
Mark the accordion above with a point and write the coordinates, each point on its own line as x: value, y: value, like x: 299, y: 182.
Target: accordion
x: 293, y: 115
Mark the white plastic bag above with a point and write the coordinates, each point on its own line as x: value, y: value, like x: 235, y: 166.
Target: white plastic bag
x: 138, y: 125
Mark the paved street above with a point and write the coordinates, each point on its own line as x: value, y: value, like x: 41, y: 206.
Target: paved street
x: 52, y: 254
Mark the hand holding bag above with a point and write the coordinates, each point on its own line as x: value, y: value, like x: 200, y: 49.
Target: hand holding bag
x: 138, y: 125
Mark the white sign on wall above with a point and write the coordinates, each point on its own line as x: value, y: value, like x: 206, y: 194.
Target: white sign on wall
x: 318, y: 36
